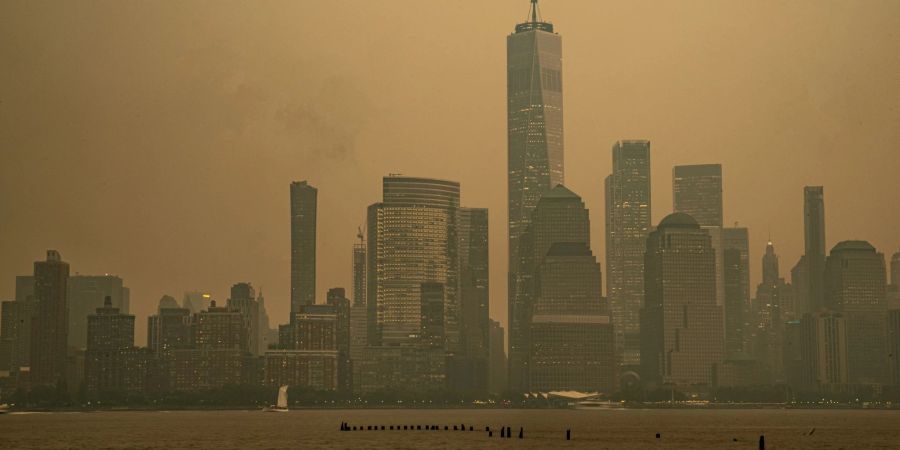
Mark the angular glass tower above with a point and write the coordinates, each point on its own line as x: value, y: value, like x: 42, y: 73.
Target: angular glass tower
x: 627, y: 224
x: 534, y: 124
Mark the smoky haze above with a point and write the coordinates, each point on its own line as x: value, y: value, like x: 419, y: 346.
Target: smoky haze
x: 157, y: 140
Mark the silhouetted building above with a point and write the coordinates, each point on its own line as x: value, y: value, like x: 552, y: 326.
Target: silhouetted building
x: 824, y: 351
x: 572, y: 344
x: 560, y: 216
x: 475, y: 299
x: 628, y: 221
x: 111, y: 361
x: 736, y: 277
x: 303, y: 245
x: 413, y: 370
x: 49, y: 330
x: 894, y: 345
x: 792, y: 354
x: 313, y: 369
x: 338, y: 300
x: 219, y: 355
x: 86, y: 294
x: 535, y: 141
x: 855, y: 286
x: 15, y: 334
x: 498, y: 363
x: 813, y: 263
x: 682, y: 339
x: 169, y: 328
x: 359, y: 322
x: 893, y: 290
x: 196, y: 301
x: 773, y: 307
x: 697, y: 192
x: 412, y: 239
x: 243, y: 300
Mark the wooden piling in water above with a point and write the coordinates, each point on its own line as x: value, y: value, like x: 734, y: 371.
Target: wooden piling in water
x: 762, y: 442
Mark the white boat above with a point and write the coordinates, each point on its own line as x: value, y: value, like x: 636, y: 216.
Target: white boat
x: 4, y: 408
x: 281, y: 405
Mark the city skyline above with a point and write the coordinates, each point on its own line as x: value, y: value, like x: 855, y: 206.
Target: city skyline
x: 192, y: 230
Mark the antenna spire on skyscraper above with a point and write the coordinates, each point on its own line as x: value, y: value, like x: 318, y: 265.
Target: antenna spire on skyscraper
x: 534, y: 11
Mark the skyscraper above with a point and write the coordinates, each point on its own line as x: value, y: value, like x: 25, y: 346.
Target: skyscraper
x: 571, y: 338
x: 498, y: 365
x: 736, y: 278
x: 560, y: 216
x: 111, y: 360
x: 338, y: 301
x: 49, y: 330
x: 772, y: 308
x: 814, y: 246
x: 628, y: 221
x: 855, y: 287
x: 824, y: 351
x: 475, y: 287
x: 682, y: 338
x: 534, y: 124
x: 243, y: 300
x: 303, y: 245
x: 412, y: 240
x: 697, y: 192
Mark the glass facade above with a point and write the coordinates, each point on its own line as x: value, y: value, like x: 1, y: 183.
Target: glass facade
x: 628, y: 221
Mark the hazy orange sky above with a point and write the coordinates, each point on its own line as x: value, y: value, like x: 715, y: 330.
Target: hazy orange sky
x: 157, y: 140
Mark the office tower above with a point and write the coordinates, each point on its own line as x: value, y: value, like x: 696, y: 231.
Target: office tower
x: 823, y: 350
x: 359, y: 270
x: 534, y: 127
x: 86, y: 294
x: 312, y: 357
x: 893, y: 289
x: 560, y: 216
x: 337, y: 299
x: 475, y: 300
x: 243, y: 300
x: 432, y: 332
x: 855, y: 286
x: 773, y: 307
x: 697, y: 192
x: 15, y: 333
x: 571, y: 338
x: 894, y: 345
x: 736, y: 279
x: 412, y: 240
x: 813, y: 263
x: 498, y: 365
x: 49, y: 329
x: 303, y: 245
x: 682, y: 339
x: 628, y: 221
x: 111, y: 362
x: 196, y: 301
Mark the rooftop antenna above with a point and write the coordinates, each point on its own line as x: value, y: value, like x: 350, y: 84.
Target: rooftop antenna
x: 534, y: 11
x: 359, y: 234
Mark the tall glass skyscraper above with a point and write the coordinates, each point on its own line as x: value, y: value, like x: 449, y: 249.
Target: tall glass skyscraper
x: 697, y: 192
x: 534, y: 127
x: 627, y: 224
x: 814, y: 246
x: 412, y: 246
x: 303, y: 245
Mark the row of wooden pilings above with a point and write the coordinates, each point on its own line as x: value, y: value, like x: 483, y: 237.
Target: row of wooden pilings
x: 505, y: 432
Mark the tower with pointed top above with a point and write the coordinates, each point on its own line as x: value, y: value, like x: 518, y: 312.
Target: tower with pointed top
x: 534, y: 129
